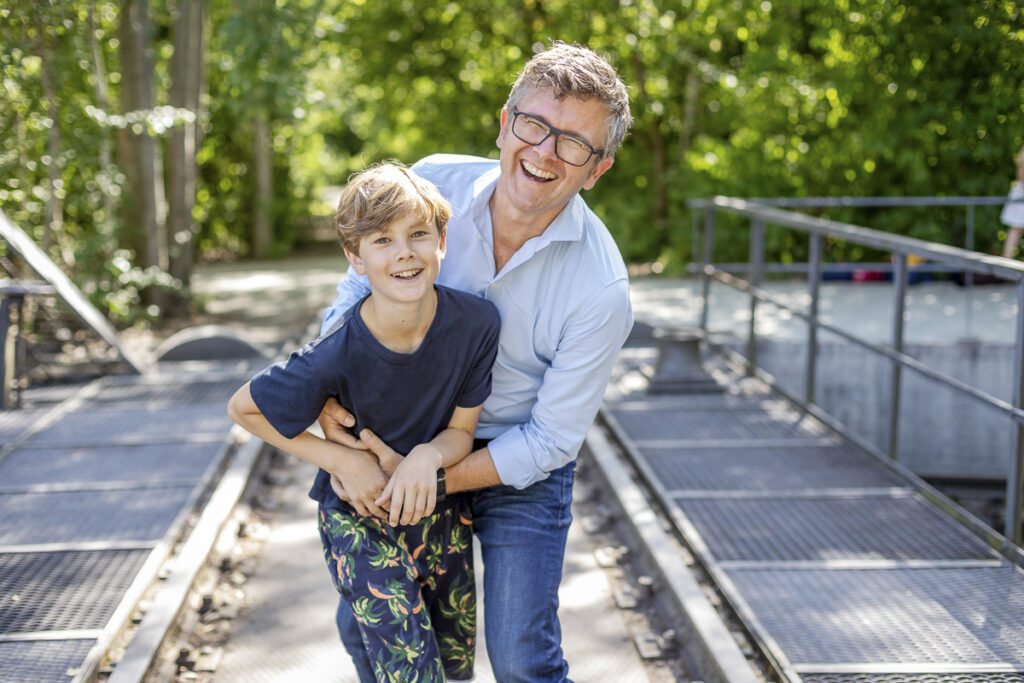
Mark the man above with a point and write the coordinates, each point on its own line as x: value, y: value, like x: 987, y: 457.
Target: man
x: 521, y: 237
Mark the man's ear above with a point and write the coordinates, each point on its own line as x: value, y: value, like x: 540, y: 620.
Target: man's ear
x: 598, y: 171
x: 501, y: 130
x: 356, y: 262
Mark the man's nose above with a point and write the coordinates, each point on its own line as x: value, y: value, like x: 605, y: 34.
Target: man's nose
x: 549, y: 144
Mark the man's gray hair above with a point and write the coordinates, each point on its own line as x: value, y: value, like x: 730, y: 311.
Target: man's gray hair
x: 577, y: 71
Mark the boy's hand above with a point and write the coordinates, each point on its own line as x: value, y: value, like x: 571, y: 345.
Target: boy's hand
x: 388, y: 458
x: 362, y: 482
x: 412, y: 490
x: 333, y: 420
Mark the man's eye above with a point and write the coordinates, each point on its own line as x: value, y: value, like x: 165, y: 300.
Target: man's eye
x: 575, y: 144
x: 535, y: 125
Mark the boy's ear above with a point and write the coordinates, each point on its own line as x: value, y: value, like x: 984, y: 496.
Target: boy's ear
x: 443, y: 248
x: 356, y: 262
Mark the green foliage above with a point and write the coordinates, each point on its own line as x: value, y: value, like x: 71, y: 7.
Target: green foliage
x: 804, y: 98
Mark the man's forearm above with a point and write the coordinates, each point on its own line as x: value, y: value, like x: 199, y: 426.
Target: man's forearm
x: 475, y: 471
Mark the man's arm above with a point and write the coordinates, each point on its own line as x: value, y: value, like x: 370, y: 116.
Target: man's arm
x: 350, y: 290
x: 567, y: 402
x: 475, y: 471
x: 360, y: 471
x: 411, y: 493
x: 569, y: 396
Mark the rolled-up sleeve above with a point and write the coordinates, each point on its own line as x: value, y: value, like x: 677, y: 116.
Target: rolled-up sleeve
x: 571, y: 391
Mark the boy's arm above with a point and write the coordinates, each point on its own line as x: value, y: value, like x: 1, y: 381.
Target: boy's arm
x: 411, y: 493
x: 358, y: 470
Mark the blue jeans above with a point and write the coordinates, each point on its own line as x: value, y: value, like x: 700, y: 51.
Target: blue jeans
x: 522, y: 535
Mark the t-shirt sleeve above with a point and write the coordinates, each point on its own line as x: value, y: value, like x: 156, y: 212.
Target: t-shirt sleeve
x: 291, y: 394
x: 477, y: 386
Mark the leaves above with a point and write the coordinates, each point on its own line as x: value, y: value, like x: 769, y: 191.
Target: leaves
x: 803, y: 98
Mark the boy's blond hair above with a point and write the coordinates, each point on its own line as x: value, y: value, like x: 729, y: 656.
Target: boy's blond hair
x: 378, y: 196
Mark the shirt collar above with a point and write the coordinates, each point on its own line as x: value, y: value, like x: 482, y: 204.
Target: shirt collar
x: 566, y: 227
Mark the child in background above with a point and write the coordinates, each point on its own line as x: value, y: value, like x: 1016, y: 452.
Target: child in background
x: 1013, y: 213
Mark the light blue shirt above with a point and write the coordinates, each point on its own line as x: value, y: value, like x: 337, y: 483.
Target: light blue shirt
x: 565, y: 313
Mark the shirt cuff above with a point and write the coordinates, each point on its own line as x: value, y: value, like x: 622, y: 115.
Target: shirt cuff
x: 512, y: 459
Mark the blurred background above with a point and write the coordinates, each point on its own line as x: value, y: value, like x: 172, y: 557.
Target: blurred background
x: 139, y: 139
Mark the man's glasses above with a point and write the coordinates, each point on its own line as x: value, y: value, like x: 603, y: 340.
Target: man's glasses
x: 568, y: 148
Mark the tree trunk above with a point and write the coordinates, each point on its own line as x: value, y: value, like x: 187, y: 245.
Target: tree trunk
x: 52, y: 211
x: 689, y: 112
x: 106, y: 173
x: 262, y: 228
x: 142, y: 212
x: 660, y: 213
x: 186, y: 81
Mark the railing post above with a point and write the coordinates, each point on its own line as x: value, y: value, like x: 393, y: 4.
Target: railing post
x: 1015, y: 475
x: 709, y: 244
x: 899, y: 281
x: 756, y: 265
x: 968, y: 274
x: 6, y: 364
x: 814, y: 288
x: 695, y: 246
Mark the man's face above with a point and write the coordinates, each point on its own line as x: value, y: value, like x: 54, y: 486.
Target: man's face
x: 533, y: 179
x: 402, y: 260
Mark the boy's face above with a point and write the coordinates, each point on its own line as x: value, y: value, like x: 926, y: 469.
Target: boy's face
x: 402, y: 260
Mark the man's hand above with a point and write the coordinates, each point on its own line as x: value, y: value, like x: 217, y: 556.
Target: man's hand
x: 411, y: 492
x: 362, y: 482
x: 388, y: 458
x: 333, y: 420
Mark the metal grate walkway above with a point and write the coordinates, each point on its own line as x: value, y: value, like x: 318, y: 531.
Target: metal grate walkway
x: 94, y: 489
x: 841, y: 570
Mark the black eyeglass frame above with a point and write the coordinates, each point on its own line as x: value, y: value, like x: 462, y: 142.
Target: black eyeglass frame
x: 558, y: 135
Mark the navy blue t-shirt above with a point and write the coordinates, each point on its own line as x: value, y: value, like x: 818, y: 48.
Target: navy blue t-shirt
x: 404, y: 398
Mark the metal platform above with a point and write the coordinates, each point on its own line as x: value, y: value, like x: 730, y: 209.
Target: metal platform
x: 96, y: 483
x: 842, y: 567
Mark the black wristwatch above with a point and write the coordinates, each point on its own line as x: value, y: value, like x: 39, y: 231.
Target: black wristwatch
x: 441, y: 491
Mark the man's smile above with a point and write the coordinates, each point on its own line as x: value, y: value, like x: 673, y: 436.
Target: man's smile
x: 534, y: 173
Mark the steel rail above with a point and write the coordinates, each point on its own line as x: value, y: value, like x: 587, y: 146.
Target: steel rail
x: 903, y: 359
x: 892, y: 202
x: 761, y: 213
x: 996, y: 266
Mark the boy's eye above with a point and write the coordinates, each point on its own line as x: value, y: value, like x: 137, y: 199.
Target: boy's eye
x: 420, y: 233
x: 381, y: 240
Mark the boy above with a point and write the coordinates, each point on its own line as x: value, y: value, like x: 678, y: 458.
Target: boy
x: 413, y: 360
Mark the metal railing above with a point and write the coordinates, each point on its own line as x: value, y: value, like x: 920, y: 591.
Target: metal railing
x: 53, y: 282
x: 761, y: 215
x: 12, y: 346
